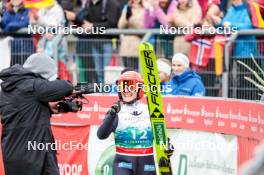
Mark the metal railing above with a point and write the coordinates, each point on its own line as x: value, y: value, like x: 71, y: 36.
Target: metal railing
x: 233, y: 91
x: 84, y: 48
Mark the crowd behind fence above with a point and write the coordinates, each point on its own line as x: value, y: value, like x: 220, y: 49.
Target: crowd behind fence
x: 83, y: 52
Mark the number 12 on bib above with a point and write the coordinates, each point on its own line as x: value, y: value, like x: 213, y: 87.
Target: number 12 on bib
x: 153, y: 92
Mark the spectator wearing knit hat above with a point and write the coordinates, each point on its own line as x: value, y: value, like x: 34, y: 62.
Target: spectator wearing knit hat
x: 185, y: 81
x: 164, y: 68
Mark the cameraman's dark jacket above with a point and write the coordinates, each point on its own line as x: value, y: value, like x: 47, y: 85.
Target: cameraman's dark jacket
x: 25, y: 117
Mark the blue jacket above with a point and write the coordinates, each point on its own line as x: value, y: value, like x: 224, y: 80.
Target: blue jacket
x: 188, y: 84
x: 165, y: 88
x: 239, y: 17
x: 12, y: 21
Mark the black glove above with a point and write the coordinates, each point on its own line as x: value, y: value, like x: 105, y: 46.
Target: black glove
x: 115, y: 108
x: 129, y: 12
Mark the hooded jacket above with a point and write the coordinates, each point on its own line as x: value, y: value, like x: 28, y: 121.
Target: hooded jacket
x: 188, y: 84
x: 25, y: 117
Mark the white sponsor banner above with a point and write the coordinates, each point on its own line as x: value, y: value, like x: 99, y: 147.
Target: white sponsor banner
x: 202, y: 153
x: 100, y: 153
x: 5, y: 52
x: 195, y: 153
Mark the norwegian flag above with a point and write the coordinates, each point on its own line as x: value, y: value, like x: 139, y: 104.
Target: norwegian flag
x: 200, y: 52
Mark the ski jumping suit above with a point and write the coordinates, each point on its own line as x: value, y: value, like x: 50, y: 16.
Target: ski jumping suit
x: 133, y: 139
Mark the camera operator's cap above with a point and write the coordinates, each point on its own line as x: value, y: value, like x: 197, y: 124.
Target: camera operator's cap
x: 183, y: 59
x: 43, y: 65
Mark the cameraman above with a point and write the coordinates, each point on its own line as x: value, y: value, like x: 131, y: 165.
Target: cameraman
x: 25, y: 115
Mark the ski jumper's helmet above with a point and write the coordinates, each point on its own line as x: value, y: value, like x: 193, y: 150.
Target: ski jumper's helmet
x: 133, y: 80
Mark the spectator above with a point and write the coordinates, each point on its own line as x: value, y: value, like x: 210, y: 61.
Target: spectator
x: 49, y: 41
x: 164, y: 68
x: 185, y: 81
x: 67, y: 6
x: 157, y: 13
x: 205, y: 5
x: 262, y: 98
x: 213, y: 12
x: 96, y: 15
x: 56, y: 47
x: 47, y: 18
x: 52, y: 16
x: 238, y: 16
x: 131, y: 17
x: 201, y: 43
x: 184, y: 17
x: 15, y: 18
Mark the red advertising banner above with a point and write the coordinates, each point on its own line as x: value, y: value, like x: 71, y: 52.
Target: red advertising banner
x: 72, y: 149
x: 242, y: 118
x: 229, y: 116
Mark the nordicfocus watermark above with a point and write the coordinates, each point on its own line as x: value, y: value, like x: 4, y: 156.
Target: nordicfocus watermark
x: 57, y: 145
x: 62, y: 30
x: 199, y: 146
x: 106, y: 88
x: 199, y: 30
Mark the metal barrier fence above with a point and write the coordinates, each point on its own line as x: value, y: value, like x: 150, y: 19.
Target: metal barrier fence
x: 21, y: 48
x: 87, y: 58
x: 242, y: 44
x: 238, y: 86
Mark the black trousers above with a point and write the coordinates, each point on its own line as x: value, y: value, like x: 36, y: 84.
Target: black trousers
x: 134, y: 165
x: 47, y: 164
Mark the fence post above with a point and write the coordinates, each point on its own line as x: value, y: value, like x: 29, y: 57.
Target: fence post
x: 225, y: 77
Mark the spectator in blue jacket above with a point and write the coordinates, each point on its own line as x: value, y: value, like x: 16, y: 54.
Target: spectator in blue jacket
x: 238, y: 16
x: 184, y: 81
x: 15, y: 18
x: 164, y: 68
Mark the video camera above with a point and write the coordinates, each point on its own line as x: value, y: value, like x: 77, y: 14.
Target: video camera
x: 75, y: 102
